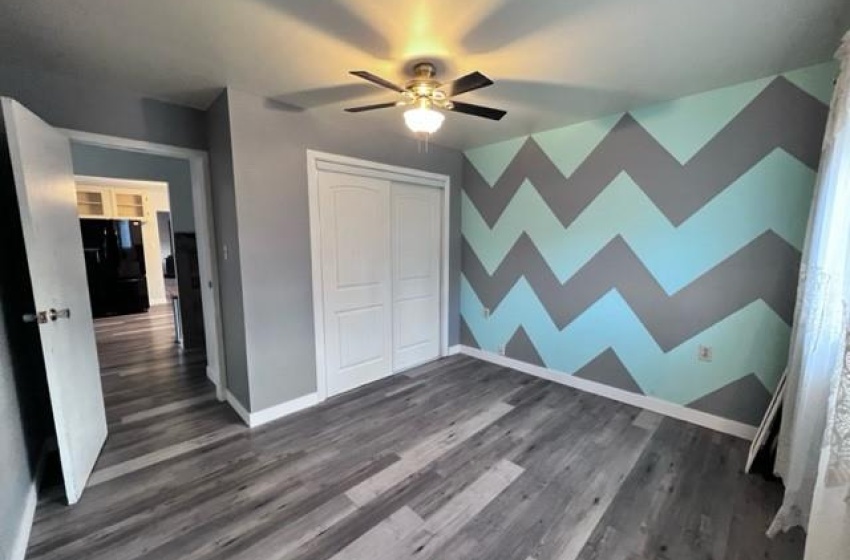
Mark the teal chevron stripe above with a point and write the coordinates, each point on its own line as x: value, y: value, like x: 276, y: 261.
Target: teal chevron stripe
x: 685, y: 125
x: 753, y: 339
x: 568, y: 147
x: 492, y: 160
x: 815, y: 80
x: 675, y: 256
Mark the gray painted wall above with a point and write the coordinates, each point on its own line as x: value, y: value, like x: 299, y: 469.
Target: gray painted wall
x: 270, y: 171
x: 93, y: 107
x: 16, y: 472
x: 227, y: 235
x: 121, y: 164
x: 16, y: 469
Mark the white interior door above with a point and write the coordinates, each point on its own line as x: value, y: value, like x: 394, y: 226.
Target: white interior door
x: 416, y: 238
x: 44, y: 181
x: 356, y: 278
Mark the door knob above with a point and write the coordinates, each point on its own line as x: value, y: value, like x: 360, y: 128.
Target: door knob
x: 40, y: 317
x: 60, y: 314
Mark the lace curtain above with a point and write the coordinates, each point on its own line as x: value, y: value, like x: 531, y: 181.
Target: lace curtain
x: 829, y: 521
x: 814, y: 441
x: 838, y: 428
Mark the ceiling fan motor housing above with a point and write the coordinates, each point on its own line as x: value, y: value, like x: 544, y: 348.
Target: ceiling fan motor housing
x: 424, y: 92
x: 422, y: 88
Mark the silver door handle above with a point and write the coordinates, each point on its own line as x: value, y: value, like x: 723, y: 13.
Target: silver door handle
x: 39, y: 317
x: 60, y: 314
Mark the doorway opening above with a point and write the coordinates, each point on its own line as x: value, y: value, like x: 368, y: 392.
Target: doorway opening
x: 141, y: 252
x: 187, y: 173
x: 60, y: 310
x: 149, y: 338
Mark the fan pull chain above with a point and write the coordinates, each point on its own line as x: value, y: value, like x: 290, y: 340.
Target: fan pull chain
x: 421, y: 139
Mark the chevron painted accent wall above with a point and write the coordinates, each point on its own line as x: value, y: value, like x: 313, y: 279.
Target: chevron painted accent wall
x: 613, y: 249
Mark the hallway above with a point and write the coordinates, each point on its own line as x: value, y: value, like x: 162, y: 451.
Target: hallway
x: 157, y: 395
x: 159, y: 401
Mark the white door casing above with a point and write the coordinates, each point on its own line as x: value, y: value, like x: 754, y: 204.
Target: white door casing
x: 416, y: 238
x: 357, y: 281
x: 317, y: 164
x: 204, y: 230
x: 44, y: 181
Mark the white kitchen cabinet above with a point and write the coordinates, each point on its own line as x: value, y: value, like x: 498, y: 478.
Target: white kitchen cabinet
x: 94, y: 202
x: 111, y: 203
x: 129, y: 205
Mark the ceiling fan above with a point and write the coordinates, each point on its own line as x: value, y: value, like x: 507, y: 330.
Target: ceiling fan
x: 424, y: 94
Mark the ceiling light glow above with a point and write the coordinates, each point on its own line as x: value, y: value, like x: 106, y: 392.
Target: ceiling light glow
x: 423, y: 120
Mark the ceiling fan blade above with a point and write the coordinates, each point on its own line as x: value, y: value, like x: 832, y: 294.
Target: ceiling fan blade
x: 376, y: 80
x: 470, y: 82
x: 478, y: 110
x: 371, y: 107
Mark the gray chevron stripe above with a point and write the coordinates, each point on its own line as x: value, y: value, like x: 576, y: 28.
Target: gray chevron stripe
x: 466, y: 336
x: 520, y: 347
x: 765, y: 269
x: 744, y: 400
x: 606, y: 368
x: 781, y: 116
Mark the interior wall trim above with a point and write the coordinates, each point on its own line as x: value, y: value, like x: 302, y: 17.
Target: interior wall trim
x: 710, y: 421
x: 284, y: 409
x: 237, y: 407
x: 204, y: 231
x: 364, y: 168
x: 110, y: 182
x: 256, y: 419
x: 212, y: 375
x: 653, y: 404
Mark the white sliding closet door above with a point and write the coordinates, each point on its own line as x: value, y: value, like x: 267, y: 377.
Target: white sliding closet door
x: 416, y: 240
x: 356, y: 278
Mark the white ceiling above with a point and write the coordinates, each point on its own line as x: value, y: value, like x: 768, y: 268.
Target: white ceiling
x: 555, y: 62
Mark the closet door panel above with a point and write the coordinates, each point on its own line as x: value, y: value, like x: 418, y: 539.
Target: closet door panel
x: 356, y: 279
x: 416, y: 240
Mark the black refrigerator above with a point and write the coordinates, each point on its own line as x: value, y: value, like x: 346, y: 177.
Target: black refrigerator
x: 115, y: 266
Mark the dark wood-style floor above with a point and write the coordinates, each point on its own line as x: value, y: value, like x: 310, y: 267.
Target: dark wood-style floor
x: 456, y: 460
x: 157, y: 396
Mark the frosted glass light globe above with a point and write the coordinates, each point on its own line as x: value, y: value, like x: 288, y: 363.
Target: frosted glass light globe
x: 423, y: 120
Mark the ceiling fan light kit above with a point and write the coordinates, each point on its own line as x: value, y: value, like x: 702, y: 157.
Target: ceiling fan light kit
x: 426, y: 95
x: 423, y: 120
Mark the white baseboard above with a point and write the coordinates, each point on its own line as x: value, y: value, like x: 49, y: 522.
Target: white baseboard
x: 237, y: 407
x: 717, y: 423
x: 454, y: 350
x: 212, y: 375
x: 284, y: 409
x: 254, y: 419
x: 22, y: 538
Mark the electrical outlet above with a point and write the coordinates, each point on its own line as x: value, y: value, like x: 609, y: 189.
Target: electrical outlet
x: 704, y: 353
x: 486, y: 312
